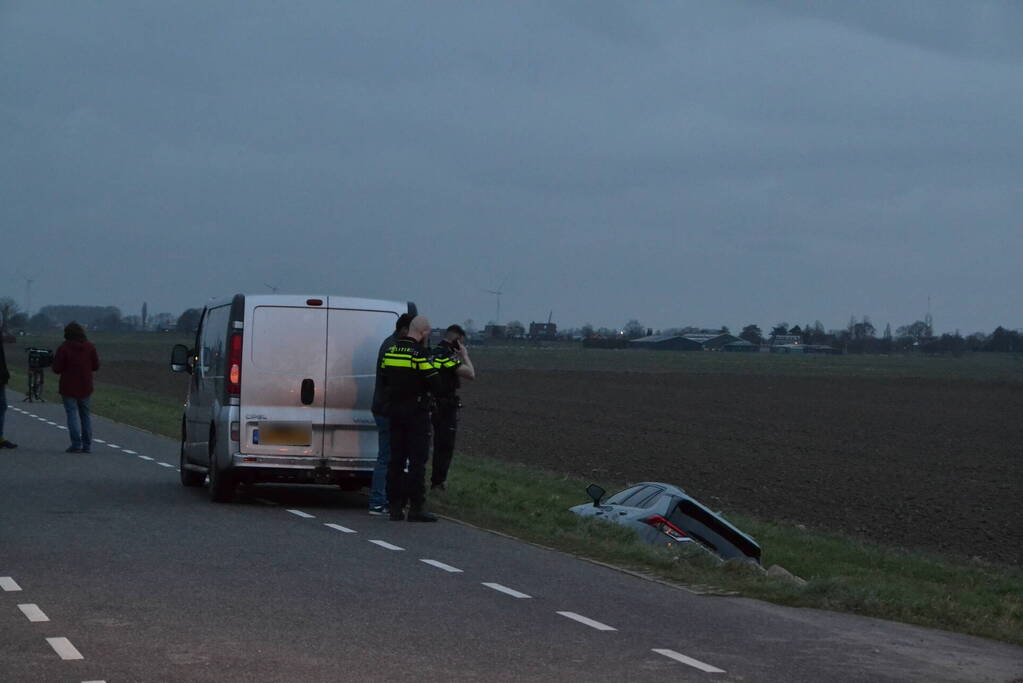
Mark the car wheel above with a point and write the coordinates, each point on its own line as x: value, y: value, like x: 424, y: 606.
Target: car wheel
x: 188, y: 477
x: 222, y: 482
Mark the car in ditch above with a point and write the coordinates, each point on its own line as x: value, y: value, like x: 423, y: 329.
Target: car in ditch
x: 666, y: 515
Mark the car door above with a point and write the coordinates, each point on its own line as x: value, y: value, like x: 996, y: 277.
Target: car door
x: 283, y: 377
x: 353, y: 340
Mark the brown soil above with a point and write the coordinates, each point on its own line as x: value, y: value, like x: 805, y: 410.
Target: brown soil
x: 921, y: 463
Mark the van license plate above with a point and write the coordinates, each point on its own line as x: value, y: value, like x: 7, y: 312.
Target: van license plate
x: 285, y: 434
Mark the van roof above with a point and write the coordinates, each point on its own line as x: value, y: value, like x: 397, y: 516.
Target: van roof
x: 335, y: 300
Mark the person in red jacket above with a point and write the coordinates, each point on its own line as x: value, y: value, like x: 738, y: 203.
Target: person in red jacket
x: 75, y: 361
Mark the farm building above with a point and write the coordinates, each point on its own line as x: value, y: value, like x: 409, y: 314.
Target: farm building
x: 665, y: 342
x: 683, y: 342
x: 712, y: 342
x: 543, y: 331
x: 741, y: 346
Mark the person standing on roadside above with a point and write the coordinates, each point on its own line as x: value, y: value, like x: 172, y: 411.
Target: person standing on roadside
x: 378, y: 487
x: 5, y: 377
x: 451, y: 358
x: 75, y: 361
x: 408, y: 378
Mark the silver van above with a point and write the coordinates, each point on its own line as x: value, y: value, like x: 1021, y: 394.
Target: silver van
x: 280, y: 391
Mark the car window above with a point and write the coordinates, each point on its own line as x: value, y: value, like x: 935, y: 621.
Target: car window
x: 617, y: 498
x: 649, y: 499
x: 640, y: 495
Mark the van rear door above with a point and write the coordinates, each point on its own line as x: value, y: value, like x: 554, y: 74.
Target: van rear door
x: 354, y: 334
x: 283, y: 387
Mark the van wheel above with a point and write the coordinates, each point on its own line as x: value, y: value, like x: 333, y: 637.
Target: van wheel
x: 222, y: 482
x: 188, y: 477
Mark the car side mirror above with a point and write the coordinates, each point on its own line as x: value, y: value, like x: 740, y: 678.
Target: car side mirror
x: 180, y: 359
x: 596, y: 493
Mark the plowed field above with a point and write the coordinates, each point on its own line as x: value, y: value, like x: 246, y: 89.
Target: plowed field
x: 925, y: 463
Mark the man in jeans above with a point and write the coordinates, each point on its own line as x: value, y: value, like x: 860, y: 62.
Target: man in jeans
x: 75, y: 361
x: 5, y: 377
x: 378, y: 489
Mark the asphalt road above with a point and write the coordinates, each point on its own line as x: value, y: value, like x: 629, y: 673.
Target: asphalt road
x: 110, y: 570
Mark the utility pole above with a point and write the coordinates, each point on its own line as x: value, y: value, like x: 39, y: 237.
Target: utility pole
x: 28, y: 297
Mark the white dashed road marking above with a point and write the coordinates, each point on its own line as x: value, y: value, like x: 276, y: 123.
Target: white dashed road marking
x: 586, y: 620
x: 696, y: 663
x: 164, y: 464
x: 130, y: 452
x: 507, y: 591
x: 264, y: 501
x: 33, y: 613
x: 145, y: 457
x: 112, y: 445
x: 64, y: 648
x: 300, y: 513
x: 62, y: 427
x: 342, y: 529
x: 99, y: 440
x: 441, y: 565
x: 50, y: 422
x: 385, y: 544
x: 9, y: 584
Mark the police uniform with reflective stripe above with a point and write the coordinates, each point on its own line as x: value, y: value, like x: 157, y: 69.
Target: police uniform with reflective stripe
x: 408, y: 376
x: 445, y: 411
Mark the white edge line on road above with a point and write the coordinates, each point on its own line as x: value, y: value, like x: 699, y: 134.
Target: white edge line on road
x: 129, y: 452
x: 64, y: 648
x: 99, y: 440
x: 695, y: 663
x: 94, y: 682
x: 586, y: 620
x: 441, y: 565
x: 145, y: 457
x: 507, y: 591
x: 342, y: 529
x: 300, y: 513
x: 32, y: 612
x: 9, y: 584
x: 385, y: 544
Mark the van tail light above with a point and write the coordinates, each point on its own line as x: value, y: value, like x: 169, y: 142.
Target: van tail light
x: 234, y: 365
x: 667, y: 528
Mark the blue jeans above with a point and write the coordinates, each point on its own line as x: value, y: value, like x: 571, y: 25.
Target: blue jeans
x: 378, y: 489
x: 3, y: 408
x: 79, y: 424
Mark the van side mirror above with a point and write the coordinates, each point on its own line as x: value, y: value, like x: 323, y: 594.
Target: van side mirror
x: 179, y: 359
x: 596, y: 493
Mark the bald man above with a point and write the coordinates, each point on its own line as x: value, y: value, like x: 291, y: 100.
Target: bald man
x: 407, y: 377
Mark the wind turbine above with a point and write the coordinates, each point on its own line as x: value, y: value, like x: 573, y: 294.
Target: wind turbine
x: 273, y: 288
x: 497, y: 292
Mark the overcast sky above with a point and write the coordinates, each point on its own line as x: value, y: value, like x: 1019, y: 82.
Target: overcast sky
x: 683, y: 163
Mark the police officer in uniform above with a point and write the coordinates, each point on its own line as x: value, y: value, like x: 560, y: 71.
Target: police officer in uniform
x: 407, y: 379
x: 378, y: 486
x: 451, y: 358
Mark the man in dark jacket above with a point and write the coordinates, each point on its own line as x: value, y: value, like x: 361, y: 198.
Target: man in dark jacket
x: 378, y: 487
x: 5, y: 377
x: 75, y: 361
x: 408, y: 378
x: 451, y: 358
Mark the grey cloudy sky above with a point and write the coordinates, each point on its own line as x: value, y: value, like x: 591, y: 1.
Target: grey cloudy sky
x: 677, y: 162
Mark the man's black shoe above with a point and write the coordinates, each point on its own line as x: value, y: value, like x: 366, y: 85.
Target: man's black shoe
x: 396, y: 515
x: 72, y: 449
x: 421, y: 516
x: 4, y: 443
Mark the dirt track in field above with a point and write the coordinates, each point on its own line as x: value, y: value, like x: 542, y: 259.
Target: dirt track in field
x: 921, y: 463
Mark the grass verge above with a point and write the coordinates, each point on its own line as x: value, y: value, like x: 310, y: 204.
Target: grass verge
x: 843, y: 574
